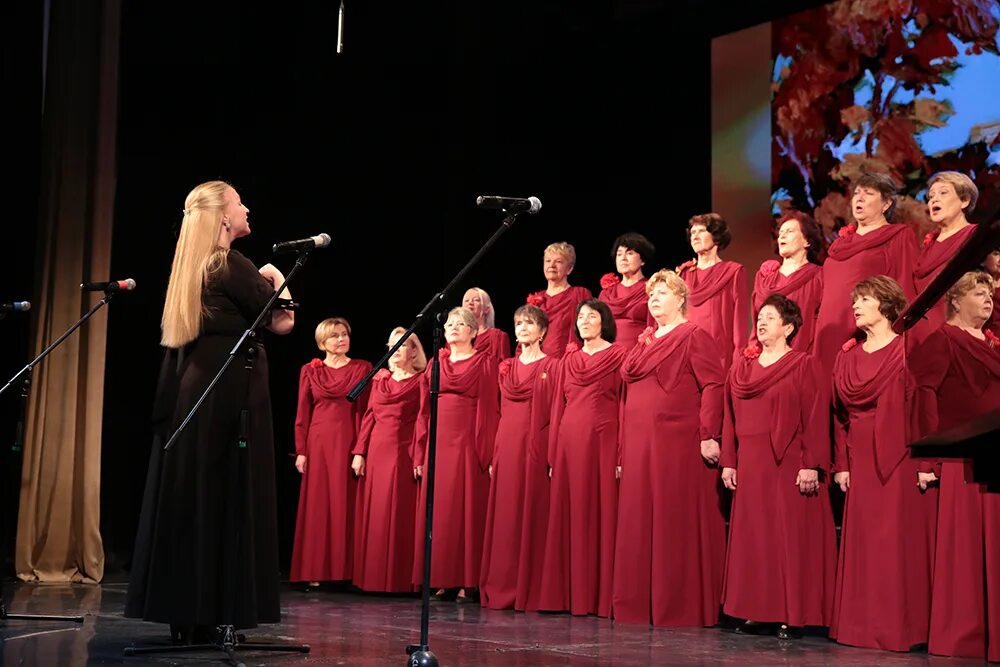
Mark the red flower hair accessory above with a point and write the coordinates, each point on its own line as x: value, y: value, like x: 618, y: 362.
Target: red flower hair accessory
x: 851, y: 342
x: 752, y: 350
x: 647, y: 336
x: 690, y: 264
x: 536, y: 299
x: 844, y: 232
x: 609, y: 280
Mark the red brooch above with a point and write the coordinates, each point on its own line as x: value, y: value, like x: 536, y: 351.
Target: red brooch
x: 646, y: 336
x: 991, y: 339
x: 315, y: 363
x: 609, y: 280
x: 690, y: 264
x: 769, y: 267
x: 536, y: 299
x: 752, y: 351
x: 851, y: 342
x: 930, y: 238
x: 847, y: 231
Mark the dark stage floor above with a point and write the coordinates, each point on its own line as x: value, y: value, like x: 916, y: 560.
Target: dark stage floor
x: 349, y: 629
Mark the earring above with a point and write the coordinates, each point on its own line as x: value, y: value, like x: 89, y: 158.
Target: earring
x: 225, y: 223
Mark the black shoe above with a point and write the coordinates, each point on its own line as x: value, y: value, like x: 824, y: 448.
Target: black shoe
x: 311, y: 587
x: 445, y: 595
x: 787, y: 633
x: 471, y: 596
x: 752, y: 628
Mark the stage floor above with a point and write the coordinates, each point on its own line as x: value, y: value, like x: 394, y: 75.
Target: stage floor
x: 354, y: 629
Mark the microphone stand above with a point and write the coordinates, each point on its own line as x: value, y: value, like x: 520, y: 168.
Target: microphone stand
x: 227, y: 640
x: 420, y: 654
x: 25, y: 375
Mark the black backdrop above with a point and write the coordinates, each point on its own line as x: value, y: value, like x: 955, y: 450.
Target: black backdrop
x: 600, y: 109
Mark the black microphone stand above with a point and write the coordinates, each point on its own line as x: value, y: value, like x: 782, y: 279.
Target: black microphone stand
x: 420, y: 654
x: 25, y: 375
x: 227, y: 640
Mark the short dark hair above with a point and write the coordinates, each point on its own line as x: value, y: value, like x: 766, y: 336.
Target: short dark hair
x: 810, y: 230
x: 716, y: 226
x: 533, y: 313
x: 787, y: 309
x: 634, y: 241
x: 884, y: 183
x: 608, y: 328
x: 890, y: 296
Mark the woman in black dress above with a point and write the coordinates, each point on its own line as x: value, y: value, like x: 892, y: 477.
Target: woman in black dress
x: 206, y: 550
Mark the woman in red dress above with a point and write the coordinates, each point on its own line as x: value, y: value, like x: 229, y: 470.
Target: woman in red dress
x: 626, y: 296
x: 560, y: 299
x: 798, y: 276
x: 957, y: 370
x: 950, y: 197
x: 992, y: 266
x: 717, y: 290
x: 514, y: 545
x: 383, y: 462
x: 583, y: 457
x: 468, y: 410
x: 326, y: 429
x: 869, y: 247
x: 883, y: 591
x: 494, y: 342
x: 671, y: 540
x: 782, y: 555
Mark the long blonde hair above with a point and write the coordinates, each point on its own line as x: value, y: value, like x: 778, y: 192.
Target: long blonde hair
x: 197, y: 257
x: 419, y: 356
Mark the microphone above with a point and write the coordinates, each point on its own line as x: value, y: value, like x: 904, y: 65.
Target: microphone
x: 311, y: 243
x: 113, y: 286
x: 512, y: 204
x: 16, y: 307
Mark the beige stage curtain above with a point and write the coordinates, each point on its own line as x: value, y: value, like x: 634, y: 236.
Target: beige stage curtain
x: 58, y: 529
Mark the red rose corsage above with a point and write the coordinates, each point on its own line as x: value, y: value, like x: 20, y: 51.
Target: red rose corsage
x: 851, y: 342
x: 647, y: 336
x: 382, y: 374
x: 752, y: 351
x: 444, y: 352
x: 503, y: 369
x: 991, y: 339
x: 315, y: 363
x: 930, y: 238
x: 690, y: 264
x: 844, y: 232
x: 769, y: 267
x: 609, y: 280
x: 571, y: 347
x: 536, y: 299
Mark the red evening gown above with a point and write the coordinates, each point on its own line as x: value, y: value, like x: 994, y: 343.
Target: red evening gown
x: 804, y: 287
x: 671, y: 541
x: 890, y: 250
x: 561, y: 311
x: 326, y: 428
x: 628, y: 305
x: 958, y: 378
x: 583, y: 453
x: 494, y: 342
x: 931, y: 260
x: 782, y: 555
x: 717, y: 302
x: 516, y: 517
x: 468, y: 409
x: 387, y: 493
x: 883, y: 590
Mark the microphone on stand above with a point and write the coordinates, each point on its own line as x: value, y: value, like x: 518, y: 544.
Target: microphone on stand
x: 15, y: 307
x: 340, y: 28
x: 510, y: 204
x: 113, y: 286
x: 311, y: 243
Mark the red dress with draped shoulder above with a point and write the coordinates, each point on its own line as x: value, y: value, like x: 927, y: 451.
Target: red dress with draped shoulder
x: 494, y: 342
x: 326, y: 428
x: 890, y: 250
x: 883, y: 590
x: 931, y: 260
x: 671, y: 540
x: 804, y: 287
x: 387, y: 493
x: 628, y: 305
x: 717, y: 302
x: 958, y: 379
x: 561, y: 311
x: 583, y: 454
x: 468, y: 410
x: 517, y: 513
x: 782, y: 555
